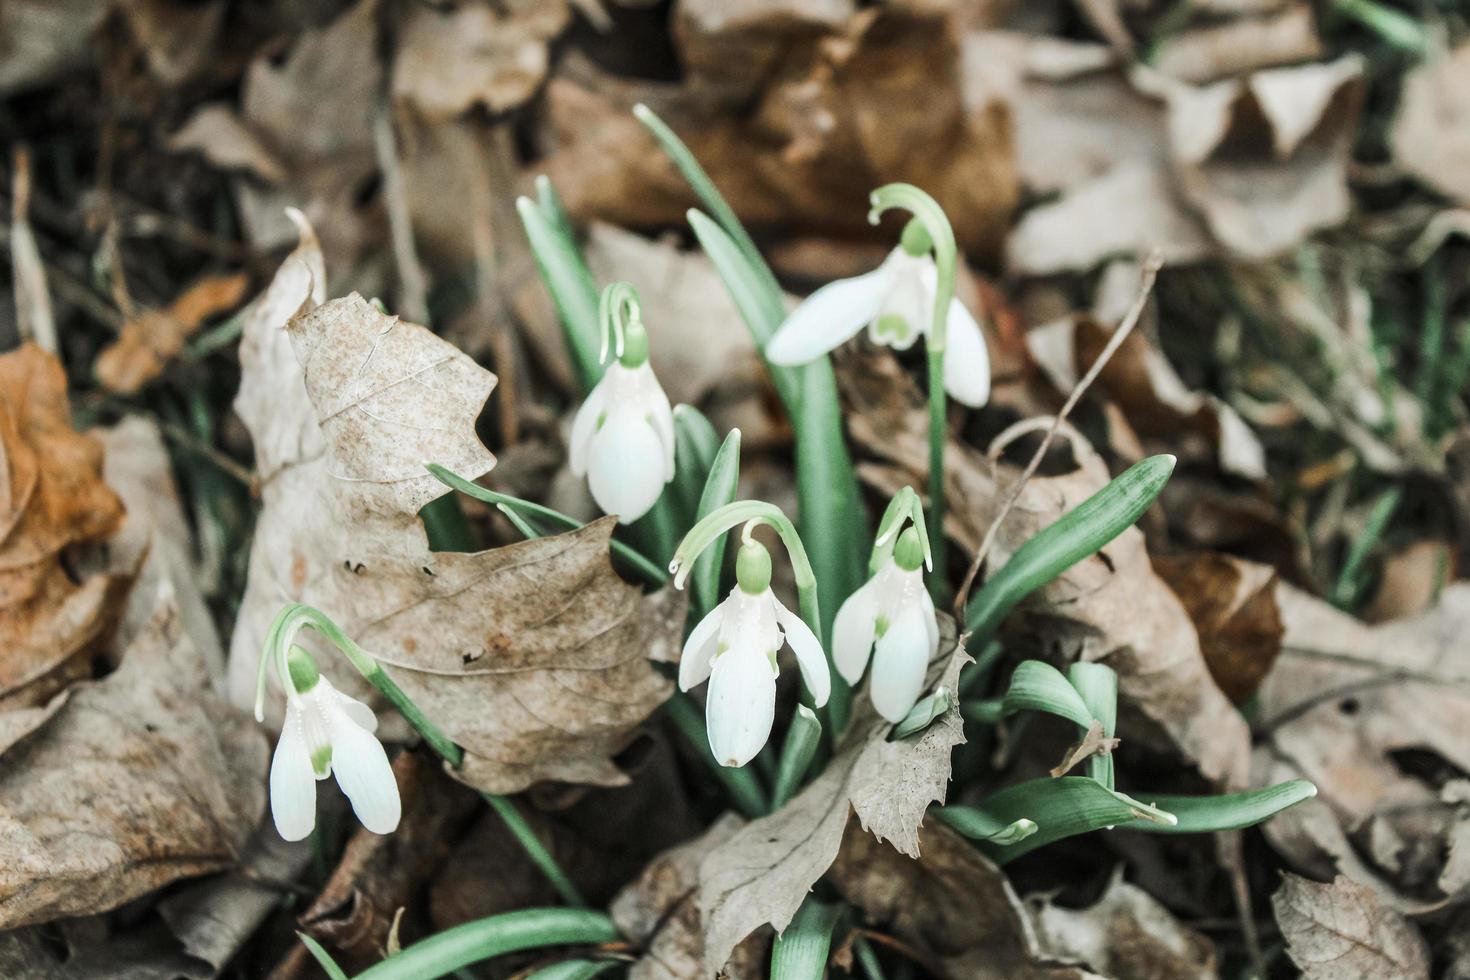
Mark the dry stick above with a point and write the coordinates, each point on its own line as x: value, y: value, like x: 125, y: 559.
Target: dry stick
x: 414, y: 301
x: 34, y: 317
x: 1147, y: 276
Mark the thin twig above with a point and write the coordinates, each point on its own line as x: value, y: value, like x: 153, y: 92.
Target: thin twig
x: 1147, y: 276
x: 34, y: 317
x: 185, y: 439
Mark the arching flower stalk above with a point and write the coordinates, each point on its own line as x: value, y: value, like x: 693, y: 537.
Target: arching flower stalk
x: 735, y: 647
x: 891, y: 619
x: 623, y: 436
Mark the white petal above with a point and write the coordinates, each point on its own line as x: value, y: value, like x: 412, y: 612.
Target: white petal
x: 829, y: 316
x: 293, y: 785
x: 625, y: 467
x: 741, y: 705
x: 911, y: 297
x: 660, y: 414
x: 966, y: 359
x: 697, y: 659
x: 584, y: 427
x: 852, y: 632
x: 931, y: 622
x: 808, y: 650
x: 365, y: 775
x: 361, y: 715
x: 900, y: 661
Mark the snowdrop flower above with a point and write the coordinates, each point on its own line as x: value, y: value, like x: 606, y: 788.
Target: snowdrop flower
x: 896, y: 303
x: 623, y: 436
x: 325, y: 733
x: 735, y: 647
x: 891, y: 618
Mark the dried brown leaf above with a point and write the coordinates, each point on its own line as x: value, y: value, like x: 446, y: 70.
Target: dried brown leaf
x: 149, y: 342
x: 52, y: 500
x: 1284, y: 36
x: 1431, y: 134
x: 1342, y: 931
x: 1233, y: 605
x: 763, y: 872
x: 135, y: 781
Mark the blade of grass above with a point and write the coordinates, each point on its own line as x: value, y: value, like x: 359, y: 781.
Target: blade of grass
x: 497, y: 935
x: 800, y: 953
x: 1232, y: 811
x: 720, y: 488
x: 802, y: 739
x: 571, y: 286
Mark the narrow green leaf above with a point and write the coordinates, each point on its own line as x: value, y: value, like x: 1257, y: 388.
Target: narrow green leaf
x: 571, y: 286
x: 652, y: 573
x: 802, y: 739
x: 1072, y: 537
x: 1038, y: 686
x: 322, y: 957
x: 497, y: 935
x: 574, y: 970
x: 1098, y: 686
x: 720, y: 488
x: 1232, y: 811
x: 695, y: 445
x: 1060, y: 808
x: 446, y: 526
x: 923, y: 714
x: 554, y: 208
x: 977, y: 824
x: 800, y: 953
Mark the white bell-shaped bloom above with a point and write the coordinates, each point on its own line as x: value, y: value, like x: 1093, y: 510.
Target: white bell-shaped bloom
x: 890, y: 618
x: 326, y: 733
x: 623, y: 441
x: 735, y: 648
x: 896, y: 303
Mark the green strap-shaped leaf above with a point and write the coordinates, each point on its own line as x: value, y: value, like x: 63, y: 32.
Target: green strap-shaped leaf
x: 800, y: 953
x: 1098, y: 686
x: 1071, y: 538
x: 802, y: 740
x: 574, y: 970
x: 696, y: 443
x: 1060, y: 808
x: 926, y: 712
x: 570, y: 284
x: 720, y: 488
x: 1038, y: 686
x: 977, y: 824
x: 497, y: 935
x: 1232, y: 811
x: 322, y: 957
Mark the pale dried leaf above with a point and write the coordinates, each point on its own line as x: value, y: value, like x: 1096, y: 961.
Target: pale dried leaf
x: 1233, y: 47
x: 1431, y: 134
x: 150, y: 341
x: 40, y: 39
x: 215, y: 131
x: 1342, y: 931
x: 34, y: 319
x: 137, y: 780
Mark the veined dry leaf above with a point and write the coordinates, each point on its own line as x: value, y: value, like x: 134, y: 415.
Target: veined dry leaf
x: 52, y: 499
x: 1431, y: 134
x: 1342, y: 931
x: 149, y: 342
x: 1265, y: 158
x: 135, y: 781
x: 452, y: 59
x: 1111, y: 608
x: 1341, y: 706
x: 763, y: 872
x: 846, y: 102
x: 533, y: 657
x: 1233, y: 605
x: 951, y: 904
x: 659, y: 913
x: 1125, y: 933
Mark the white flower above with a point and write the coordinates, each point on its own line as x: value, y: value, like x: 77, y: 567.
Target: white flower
x: 896, y: 303
x: 327, y: 732
x: 735, y: 647
x: 623, y: 441
x: 893, y: 612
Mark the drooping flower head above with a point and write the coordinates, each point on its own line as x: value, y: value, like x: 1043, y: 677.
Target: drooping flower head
x: 890, y: 619
x: 896, y: 303
x: 623, y: 436
x: 328, y: 733
x: 735, y: 646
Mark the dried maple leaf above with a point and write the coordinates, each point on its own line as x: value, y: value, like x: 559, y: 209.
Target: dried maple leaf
x: 1342, y: 931
x: 130, y: 783
x: 533, y: 657
x: 149, y: 342
x: 52, y: 499
x: 763, y: 873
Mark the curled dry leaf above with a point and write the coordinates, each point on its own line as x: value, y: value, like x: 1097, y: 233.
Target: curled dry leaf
x: 659, y: 913
x: 1111, y: 608
x: 533, y: 657
x: 148, y: 343
x: 1233, y: 605
x: 454, y: 58
x: 950, y: 904
x: 1342, y: 931
x: 1431, y: 134
x: 132, y: 782
x: 763, y: 872
x: 1344, y: 705
x: 52, y: 501
x: 1125, y: 933
x: 797, y: 112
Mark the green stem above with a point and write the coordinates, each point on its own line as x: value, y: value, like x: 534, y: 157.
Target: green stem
x: 535, y: 849
x: 867, y: 959
x: 938, y: 583
x: 494, y: 936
